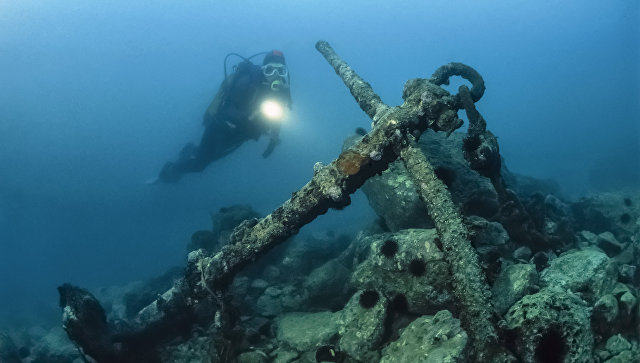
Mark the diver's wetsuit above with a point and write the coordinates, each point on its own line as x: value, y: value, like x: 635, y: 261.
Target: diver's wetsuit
x: 228, y: 125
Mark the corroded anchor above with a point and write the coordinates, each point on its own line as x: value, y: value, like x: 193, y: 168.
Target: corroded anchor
x: 393, y: 135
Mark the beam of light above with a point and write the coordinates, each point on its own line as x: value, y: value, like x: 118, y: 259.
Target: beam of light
x: 272, y: 110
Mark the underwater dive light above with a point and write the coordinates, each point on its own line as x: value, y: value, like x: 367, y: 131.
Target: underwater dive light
x: 272, y: 110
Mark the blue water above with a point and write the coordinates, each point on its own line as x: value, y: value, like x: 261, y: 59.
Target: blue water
x: 96, y: 96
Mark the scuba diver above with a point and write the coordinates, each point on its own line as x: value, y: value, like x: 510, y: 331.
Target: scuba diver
x: 249, y: 103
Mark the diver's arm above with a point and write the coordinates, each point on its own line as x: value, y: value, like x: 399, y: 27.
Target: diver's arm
x: 274, y: 140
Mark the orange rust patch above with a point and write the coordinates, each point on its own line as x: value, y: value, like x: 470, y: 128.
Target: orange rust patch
x: 350, y: 162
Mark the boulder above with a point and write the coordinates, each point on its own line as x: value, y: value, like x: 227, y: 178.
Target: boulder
x: 586, y: 239
x: 393, y: 197
x: 8, y: 349
x: 407, y: 267
x: 512, y: 284
x: 429, y: 339
x: 485, y: 233
x: 620, y: 350
x: 284, y: 356
x: 328, y: 285
x: 276, y: 300
x: 252, y: 357
x: 588, y: 272
x: 472, y: 192
x: 616, y: 212
x: 305, y: 331
x: 604, y: 314
x: 362, y: 325
x: 607, y: 242
x: 522, y: 254
x: 552, y: 325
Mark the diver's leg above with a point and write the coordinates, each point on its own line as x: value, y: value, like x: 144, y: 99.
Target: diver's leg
x: 217, y: 141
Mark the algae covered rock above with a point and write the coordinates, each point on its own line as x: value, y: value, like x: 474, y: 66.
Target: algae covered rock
x: 393, y: 197
x: 276, y: 300
x: 627, y: 302
x: 305, y: 253
x: 408, y: 266
x: 614, y: 211
x: 55, y: 346
x: 362, y: 325
x: 252, y: 357
x: 223, y: 224
x: 485, y: 233
x: 525, y: 185
x: 284, y: 356
x: 627, y: 356
x: 490, y: 241
x: 620, y: 350
x: 327, y: 285
x: 588, y: 272
x: 305, y: 331
x: 605, y: 312
x: 586, y: 238
x: 609, y: 244
x: 512, y: 284
x: 552, y: 325
x: 200, y: 347
x: 38, y: 344
x: 8, y: 350
x: 429, y: 339
x: 473, y: 193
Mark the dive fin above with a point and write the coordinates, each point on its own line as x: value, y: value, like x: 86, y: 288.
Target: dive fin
x: 152, y: 181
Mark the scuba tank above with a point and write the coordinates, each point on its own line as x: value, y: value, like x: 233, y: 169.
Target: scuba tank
x: 228, y: 80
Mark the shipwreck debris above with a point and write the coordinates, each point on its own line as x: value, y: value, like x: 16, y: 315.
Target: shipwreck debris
x: 394, y: 132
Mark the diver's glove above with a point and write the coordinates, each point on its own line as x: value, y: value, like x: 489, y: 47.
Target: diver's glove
x: 273, y: 142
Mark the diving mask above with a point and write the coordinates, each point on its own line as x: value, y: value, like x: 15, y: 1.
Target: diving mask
x: 274, y: 69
